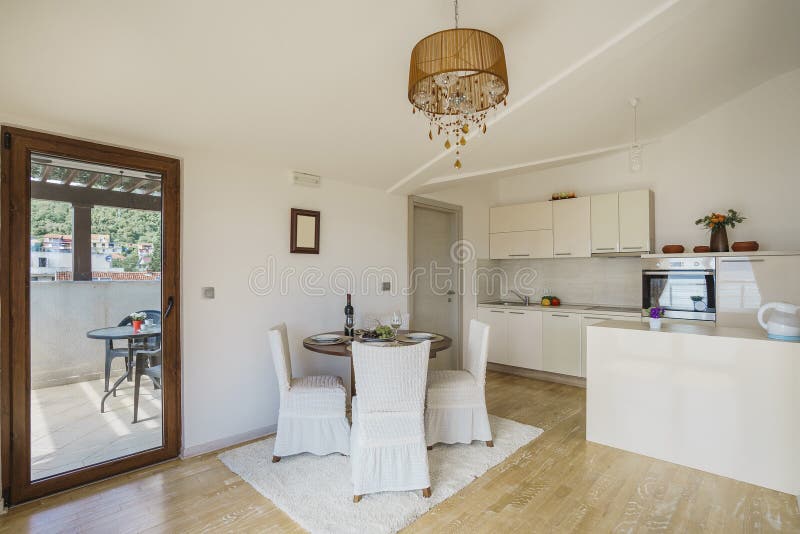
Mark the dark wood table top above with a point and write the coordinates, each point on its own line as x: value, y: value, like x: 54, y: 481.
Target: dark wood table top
x: 341, y: 349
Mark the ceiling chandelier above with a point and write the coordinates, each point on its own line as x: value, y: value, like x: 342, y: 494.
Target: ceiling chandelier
x: 455, y: 77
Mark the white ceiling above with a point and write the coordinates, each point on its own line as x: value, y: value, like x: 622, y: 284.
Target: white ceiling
x: 321, y: 86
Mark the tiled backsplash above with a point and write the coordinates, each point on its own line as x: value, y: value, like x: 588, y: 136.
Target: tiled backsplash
x: 611, y: 281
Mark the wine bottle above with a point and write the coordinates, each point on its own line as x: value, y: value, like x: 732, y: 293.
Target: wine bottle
x: 349, y: 320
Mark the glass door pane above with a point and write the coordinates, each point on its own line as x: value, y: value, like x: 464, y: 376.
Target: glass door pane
x: 95, y: 314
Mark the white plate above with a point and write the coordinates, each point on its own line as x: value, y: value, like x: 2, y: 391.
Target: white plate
x: 421, y: 336
x: 326, y: 338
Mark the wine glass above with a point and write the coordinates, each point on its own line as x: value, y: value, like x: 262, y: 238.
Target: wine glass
x: 396, y: 321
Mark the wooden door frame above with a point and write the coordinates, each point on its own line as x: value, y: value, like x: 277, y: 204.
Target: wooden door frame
x: 457, y: 211
x: 15, y: 151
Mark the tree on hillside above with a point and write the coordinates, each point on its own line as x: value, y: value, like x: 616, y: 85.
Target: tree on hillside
x: 48, y: 217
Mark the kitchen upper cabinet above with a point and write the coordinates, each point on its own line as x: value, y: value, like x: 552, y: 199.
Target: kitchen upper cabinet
x: 521, y: 217
x: 525, y: 339
x: 530, y: 244
x: 636, y: 227
x: 561, y: 343
x: 605, y: 223
x: 622, y: 222
x: 498, y: 333
x: 572, y: 235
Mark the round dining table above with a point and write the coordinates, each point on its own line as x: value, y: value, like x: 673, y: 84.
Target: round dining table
x: 124, y: 332
x: 343, y: 349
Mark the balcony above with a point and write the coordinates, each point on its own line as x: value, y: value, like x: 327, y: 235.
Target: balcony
x: 67, y: 376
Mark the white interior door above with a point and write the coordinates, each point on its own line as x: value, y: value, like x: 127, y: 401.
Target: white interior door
x: 435, y: 302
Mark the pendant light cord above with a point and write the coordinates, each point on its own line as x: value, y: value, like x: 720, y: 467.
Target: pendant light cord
x: 455, y: 7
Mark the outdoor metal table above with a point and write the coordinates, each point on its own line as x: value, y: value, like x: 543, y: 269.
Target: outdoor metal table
x: 124, y: 332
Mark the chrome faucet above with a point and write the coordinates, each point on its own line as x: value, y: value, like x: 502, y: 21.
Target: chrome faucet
x: 526, y: 300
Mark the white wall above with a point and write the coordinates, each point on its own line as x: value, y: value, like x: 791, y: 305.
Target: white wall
x: 743, y: 155
x: 235, y: 215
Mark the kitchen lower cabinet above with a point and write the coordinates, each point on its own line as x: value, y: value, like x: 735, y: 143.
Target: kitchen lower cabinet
x: 525, y: 339
x: 588, y: 320
x: 498, y: 333
x: 561, y: 343
x: 552, y: 341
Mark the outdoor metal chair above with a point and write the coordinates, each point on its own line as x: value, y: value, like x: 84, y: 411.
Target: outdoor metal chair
x: 122, y: 352
x: 148, y: 363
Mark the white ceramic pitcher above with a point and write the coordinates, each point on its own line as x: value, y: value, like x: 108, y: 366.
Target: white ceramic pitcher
x: 783, y: 323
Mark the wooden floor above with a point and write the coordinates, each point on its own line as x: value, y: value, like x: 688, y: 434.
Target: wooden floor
x: 557, y: 483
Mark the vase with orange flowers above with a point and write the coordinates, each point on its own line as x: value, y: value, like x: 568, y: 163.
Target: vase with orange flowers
x: 717, y: 223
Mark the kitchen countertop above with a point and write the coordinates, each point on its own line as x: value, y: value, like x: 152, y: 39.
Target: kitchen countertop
x: 572, y: 308
x: 695, y: 329
x: 724, y: 254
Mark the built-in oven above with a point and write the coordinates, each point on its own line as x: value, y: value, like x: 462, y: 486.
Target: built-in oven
x: 682, y: 287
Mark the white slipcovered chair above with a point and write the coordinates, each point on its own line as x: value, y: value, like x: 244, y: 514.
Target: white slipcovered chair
x: 456, y: 404
x: 387, y: 441
x: 312, y: 408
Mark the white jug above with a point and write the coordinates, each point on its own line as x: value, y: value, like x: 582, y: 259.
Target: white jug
x: 783, y: 324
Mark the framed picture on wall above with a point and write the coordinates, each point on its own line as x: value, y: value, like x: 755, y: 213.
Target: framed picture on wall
x: 304, y: 235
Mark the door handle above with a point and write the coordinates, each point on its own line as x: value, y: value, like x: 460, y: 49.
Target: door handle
x: 170, y: 304
x: 518, y: 313
x: 563, y: 253
x: 743, y: 260
x: 558, y: 315
x: 606, y: 248
x: 519, y: 255
x: 496, y: 311
x: 632, y: 248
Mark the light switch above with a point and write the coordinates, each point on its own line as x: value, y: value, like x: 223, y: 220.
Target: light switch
x: 208, y: 292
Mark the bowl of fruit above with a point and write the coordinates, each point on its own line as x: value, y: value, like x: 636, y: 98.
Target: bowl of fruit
x: 380, y: 333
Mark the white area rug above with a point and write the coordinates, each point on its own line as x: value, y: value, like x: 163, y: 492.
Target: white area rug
x: 316, y: 492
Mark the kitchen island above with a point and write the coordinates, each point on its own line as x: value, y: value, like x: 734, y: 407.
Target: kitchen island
x: 722, y: 400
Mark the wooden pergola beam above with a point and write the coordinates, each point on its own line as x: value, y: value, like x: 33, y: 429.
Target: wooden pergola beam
x: 70, y: 176
x: 93, y: 179
x: 113, y: 183
x: 81, y: 242
x: 154, y: 186
x: 137, y: 185
x: 94, y: 197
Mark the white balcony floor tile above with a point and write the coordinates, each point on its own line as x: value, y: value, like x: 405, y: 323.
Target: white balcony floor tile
x: 69, y: 432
